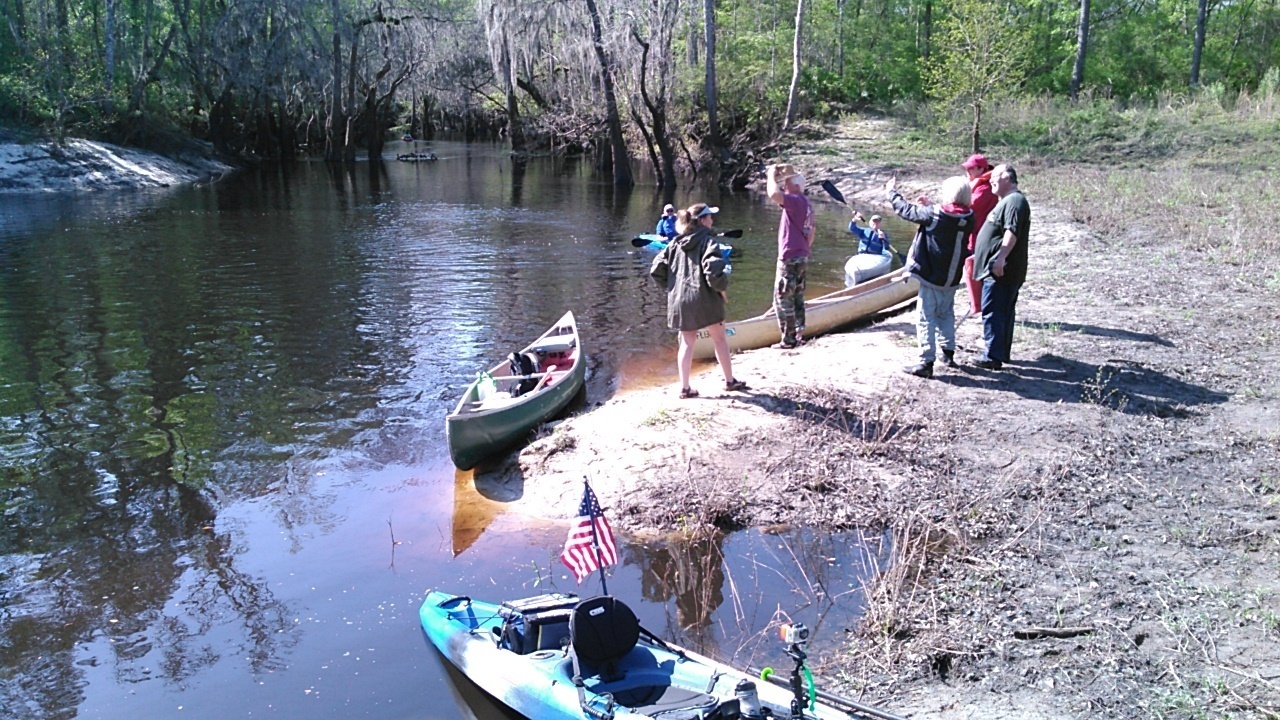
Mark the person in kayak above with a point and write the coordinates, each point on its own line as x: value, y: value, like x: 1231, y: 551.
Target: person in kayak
x: 667, y: 223
x: 693, y: 271
x: 871, y: 240
x: 936, y: 259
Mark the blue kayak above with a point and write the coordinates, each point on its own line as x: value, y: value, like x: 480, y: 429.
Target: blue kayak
x: 556, y: 657
x: 649, y: 241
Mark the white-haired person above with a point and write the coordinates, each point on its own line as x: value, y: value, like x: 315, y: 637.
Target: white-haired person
x: 795, y: 239
x: 936, y: 259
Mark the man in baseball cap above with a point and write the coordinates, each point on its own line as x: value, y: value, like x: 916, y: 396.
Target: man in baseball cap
x: 984, y: 199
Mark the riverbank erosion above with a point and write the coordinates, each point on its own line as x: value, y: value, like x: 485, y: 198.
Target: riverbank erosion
x: 1090, y: 532
x: 76, y: 165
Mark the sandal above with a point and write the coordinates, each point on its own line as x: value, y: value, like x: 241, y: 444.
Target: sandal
x: 735, y: 384
x: 686, y: 393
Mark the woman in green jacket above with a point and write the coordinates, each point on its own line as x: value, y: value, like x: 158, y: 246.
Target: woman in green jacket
x: 695, y: 274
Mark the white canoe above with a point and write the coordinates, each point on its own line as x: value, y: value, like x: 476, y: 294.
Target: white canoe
x: 822, y: 314
x: 866, y: 266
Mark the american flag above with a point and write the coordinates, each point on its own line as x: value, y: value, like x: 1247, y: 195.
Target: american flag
x: 585, y: 551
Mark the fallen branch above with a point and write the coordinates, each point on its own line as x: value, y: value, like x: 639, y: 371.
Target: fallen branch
x: 1032, y: 633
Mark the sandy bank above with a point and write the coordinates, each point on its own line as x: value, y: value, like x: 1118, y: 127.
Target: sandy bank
x: 83, y: 165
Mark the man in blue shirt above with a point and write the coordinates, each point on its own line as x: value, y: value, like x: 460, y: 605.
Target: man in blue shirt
x: 667, y: 223
x: 871, y: 240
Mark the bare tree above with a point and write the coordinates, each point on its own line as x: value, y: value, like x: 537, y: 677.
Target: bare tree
x: 795, y: 67
x: 712, y: 88
x: 621, y: 163
x: 1202, y: 19
x: 1082, y: 50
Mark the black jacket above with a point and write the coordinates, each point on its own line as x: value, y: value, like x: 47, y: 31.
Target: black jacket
x: 941, y: 243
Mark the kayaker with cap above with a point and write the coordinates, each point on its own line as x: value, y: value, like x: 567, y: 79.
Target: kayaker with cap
x: 667, y: 223
x: 871, y: 240
x: 693, y: 270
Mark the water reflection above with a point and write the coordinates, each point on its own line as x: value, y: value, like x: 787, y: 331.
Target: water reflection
x: 214, y: 401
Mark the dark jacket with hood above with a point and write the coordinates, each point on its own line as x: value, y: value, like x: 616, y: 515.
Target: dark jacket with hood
x: 693, y: 271
x: 941, y: 243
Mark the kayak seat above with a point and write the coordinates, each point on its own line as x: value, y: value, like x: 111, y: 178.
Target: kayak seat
x: 668, y: 702
x: 602, y: 630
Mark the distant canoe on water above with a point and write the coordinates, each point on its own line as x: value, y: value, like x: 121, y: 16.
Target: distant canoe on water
x: 500, y: 407
x: 866, y: 266
x: 417, y: 157
x: 822, y: 314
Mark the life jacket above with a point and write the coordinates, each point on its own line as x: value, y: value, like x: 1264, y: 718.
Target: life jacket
x: 523, y: 364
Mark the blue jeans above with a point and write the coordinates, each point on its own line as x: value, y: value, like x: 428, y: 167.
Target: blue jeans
x: 999, y: 302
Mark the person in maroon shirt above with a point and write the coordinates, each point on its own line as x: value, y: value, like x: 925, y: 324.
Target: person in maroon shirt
x: 795, y: 238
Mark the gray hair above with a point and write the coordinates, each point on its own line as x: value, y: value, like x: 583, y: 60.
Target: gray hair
x: 955, y: 190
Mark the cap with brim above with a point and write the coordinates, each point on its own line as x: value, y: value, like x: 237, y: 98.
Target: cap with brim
x: 976, y: 161
x: 668, y: 208
x: 875, y: 218
x: 708, y: 210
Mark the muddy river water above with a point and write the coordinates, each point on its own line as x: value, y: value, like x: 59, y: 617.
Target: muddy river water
x: 224, y: 487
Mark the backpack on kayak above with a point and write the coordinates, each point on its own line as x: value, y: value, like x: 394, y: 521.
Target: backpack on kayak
x: 523, y: 365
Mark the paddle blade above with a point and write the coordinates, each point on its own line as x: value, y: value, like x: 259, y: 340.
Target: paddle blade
x: 639, y: 242
x: 731, y: 234
x: 833, y: 191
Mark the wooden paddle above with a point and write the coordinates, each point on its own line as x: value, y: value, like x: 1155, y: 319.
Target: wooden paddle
x: 643, y: 240
x: 836, y: 195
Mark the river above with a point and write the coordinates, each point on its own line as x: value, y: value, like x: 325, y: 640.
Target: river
x: 224, y: 484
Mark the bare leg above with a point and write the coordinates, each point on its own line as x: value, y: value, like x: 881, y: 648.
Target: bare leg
x: 721, y: 343
x: 685, y: 356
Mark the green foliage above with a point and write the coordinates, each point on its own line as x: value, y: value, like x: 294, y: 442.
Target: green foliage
x: 981, y: 55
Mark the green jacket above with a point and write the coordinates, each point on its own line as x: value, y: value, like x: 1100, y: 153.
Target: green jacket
x: 693, y: 271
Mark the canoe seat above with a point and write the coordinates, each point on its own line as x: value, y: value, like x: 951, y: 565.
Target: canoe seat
x: 553, y: 344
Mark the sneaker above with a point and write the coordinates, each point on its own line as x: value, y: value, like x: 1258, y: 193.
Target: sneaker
x: 949, y: 358
x: 735, y: 384
x: 987, y: 363
x: 924, y: 370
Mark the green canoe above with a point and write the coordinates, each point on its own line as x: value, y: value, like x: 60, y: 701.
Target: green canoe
x: 500, y: 407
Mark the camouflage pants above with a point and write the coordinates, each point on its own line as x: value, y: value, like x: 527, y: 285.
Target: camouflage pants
x: 788, y: 297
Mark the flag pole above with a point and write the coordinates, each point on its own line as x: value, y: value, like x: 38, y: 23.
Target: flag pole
x: 595, y: 539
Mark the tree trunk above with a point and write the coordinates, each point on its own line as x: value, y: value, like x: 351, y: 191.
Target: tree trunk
x: 712, y: 87
x: 514, y: 128
x: 335, y: 132
x: 1202, y: 19
x: 658, y: 111
x: 977, y: 126
x: 795, y: 67
x: 1082, y: 50
x: 621, y: 164
x: 109, y: 46
x: 840, y: 37
x: 928, y: 29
